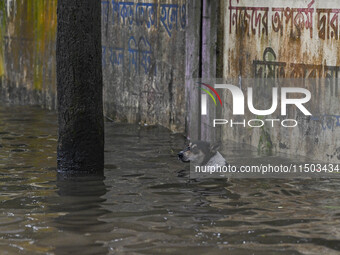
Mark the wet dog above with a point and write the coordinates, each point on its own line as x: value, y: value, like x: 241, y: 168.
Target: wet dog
x: 202, y: 154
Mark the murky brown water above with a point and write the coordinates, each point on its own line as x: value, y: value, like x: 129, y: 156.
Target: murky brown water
x: 146, y: 204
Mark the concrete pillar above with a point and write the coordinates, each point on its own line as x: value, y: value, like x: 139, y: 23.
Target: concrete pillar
x: 193, y: 68
x: 79, y: 87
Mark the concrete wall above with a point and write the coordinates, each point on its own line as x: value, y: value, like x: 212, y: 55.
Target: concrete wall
x: 143, y: 46
x: 287, y: 39
x: 143, y: 61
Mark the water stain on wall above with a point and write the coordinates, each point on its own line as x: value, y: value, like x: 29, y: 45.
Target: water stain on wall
x: 27, y: 61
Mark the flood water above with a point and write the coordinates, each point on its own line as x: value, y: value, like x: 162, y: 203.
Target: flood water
x: 146, y: 204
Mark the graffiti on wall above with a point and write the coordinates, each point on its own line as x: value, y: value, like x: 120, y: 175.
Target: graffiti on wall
x: 150, y: 15
x: 269, y: 67
x: 328, y: 122
x: 261, y: 20
x: 138, y: 53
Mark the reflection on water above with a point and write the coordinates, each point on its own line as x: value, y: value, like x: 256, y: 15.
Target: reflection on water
x: 145, y: 204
